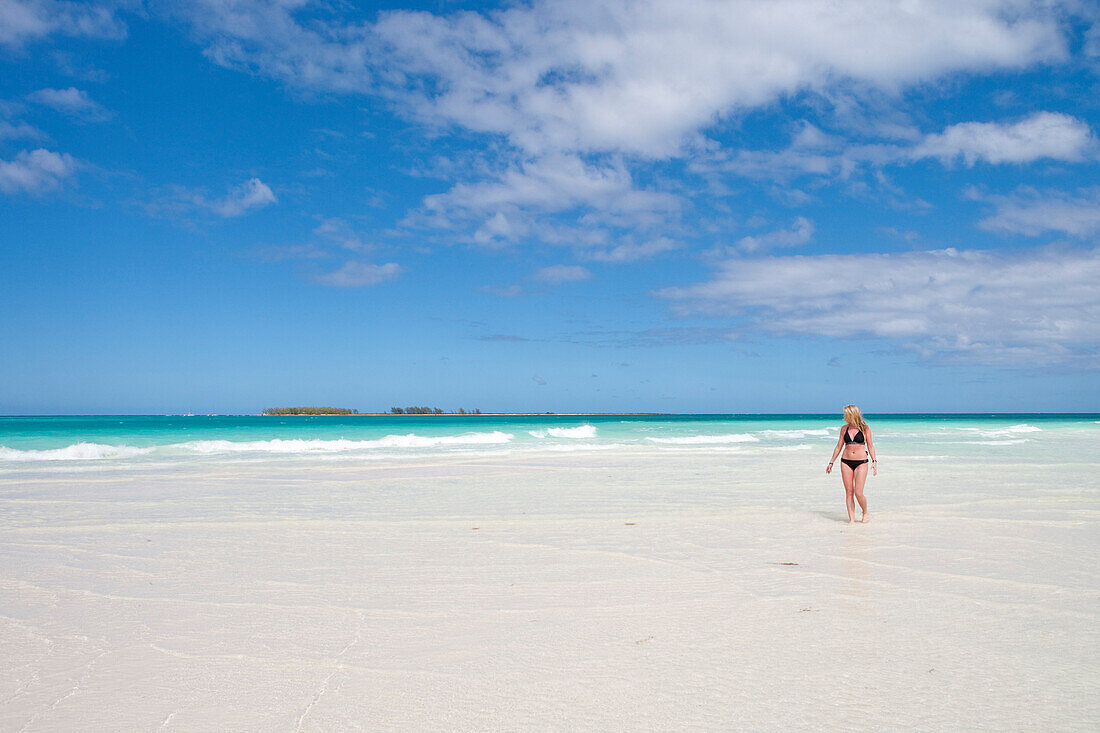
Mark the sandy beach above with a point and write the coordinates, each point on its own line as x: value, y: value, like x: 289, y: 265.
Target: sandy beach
x: 601, y: 590
x: 475, y: 365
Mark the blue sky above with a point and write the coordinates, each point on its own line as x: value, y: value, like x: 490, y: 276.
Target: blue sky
x: 565, y: 205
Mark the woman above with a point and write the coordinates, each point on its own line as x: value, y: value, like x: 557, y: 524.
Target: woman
x: 855, y: 441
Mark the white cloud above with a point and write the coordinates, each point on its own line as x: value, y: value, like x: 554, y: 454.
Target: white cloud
x: 359, y: 274
x: 1091, y: 46
x: 621, y: 75
x: 17, y: 130
x: 499, y: 228
x: 266, y: 37
x: 1032, y: 212
x: 812, y: 152
x: 181, y: 201
x: 994, y: 307
x: 906, y: 235
x: 1042, y: 135
x: 250, y: 195
x: 801, y: 231
x: 576, y: 96
x: 550, y: 184
x: 339, y: 232
x: 554, y: 199
x: 70, y: 64
x: 557, y: 274
x: 11, y: 127
x: 72, y: 101
x: 629, y: 251
x: 331, y: 236
x: 36, y: 171
x: 25, y: 21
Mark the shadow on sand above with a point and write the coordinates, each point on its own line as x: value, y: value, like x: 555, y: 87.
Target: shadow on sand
x: 834, y: 517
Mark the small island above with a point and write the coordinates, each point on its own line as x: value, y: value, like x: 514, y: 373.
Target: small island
x: 309, y: 411
x: 395, y: 411
x: 430, y: 411
x: 346, y: 411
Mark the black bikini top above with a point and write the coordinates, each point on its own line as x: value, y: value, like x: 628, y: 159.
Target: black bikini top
x: 848, y: 438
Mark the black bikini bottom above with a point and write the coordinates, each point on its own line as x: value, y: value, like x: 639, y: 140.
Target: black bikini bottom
x: 853, y: 464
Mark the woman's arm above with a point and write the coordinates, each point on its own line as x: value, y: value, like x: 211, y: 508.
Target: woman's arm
x: 871, y: 452
x: 836, y: 451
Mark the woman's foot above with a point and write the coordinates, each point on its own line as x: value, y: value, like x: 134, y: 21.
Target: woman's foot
x: 866, y: 518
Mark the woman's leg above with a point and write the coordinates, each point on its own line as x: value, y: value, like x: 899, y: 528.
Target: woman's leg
x: 849, y: 487
x: 858, y: 480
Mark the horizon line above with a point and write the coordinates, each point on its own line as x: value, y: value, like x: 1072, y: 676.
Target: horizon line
x: 530, y: 414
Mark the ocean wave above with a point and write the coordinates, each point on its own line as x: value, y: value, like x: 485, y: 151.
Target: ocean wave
x: 297, y: 445
x: 708, y: 439
x: 96, y: 451
x: 74, y: 452
x: 1010, y: 441
x: 796, y: 433
x: 581, y: 431
x: 1007, y: 432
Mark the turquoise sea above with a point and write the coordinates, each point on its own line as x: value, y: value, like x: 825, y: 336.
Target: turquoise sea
x: 116, y: 439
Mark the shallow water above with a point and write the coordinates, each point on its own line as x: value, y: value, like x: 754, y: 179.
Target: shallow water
x: 136, y: 439
x: 583, y: 576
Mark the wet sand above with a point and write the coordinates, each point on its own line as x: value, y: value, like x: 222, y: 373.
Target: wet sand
x: 617, y: 590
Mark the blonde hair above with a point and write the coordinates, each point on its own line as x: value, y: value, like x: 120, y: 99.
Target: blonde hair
x: 854, y: 417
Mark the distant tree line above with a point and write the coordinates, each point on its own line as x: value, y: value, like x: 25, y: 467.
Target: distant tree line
x: 430, y: 411
x: 310, y: 411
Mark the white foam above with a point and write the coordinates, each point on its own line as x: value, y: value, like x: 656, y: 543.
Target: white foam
x: 795, y: 433
x: 74, y: 452
x: 581, y: 431
x: 993, y: 442
x: 1007, y: 432
x: 708, y: 439
x: 96, y: 451
x: 279, y: 445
